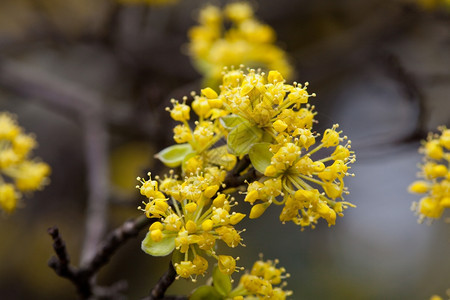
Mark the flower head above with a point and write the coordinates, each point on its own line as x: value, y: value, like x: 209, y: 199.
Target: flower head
x: 272, y: 122
x: 247, y: 41
x: 192, y: 222
x: 18, y: 173
x: 435, y: 174
x: 265, y: 281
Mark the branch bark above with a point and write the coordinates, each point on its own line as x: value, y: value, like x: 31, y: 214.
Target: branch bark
x: 163, y: 284
x: 82, y: 277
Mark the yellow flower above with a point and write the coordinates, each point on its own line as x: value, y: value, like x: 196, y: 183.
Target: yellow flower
x: 197, y: 218
x: 198, y: 147
x: 17, y: 171
x: 247, y: 41
x: 265, y: 281
x: 8, y: 197
x: 272, y: 121
x: 436, y: 177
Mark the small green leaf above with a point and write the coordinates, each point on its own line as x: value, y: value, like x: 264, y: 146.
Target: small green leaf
x: 242, y: 138
x: 222, y: 282
x: 260, y: 156
x: 206, y: 292
x: 161, y: 248
x: 231, y: 121
x: 172, y: 156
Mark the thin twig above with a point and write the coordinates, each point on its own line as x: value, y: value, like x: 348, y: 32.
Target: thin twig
x: 82, y: 277
x: 163, y: 283
x: 412, y: 91
x: 235, y: 179
x: 116, y: 239
x: 61, y: 265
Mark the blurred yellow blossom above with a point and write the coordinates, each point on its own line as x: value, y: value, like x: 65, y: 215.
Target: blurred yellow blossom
x: 435, y: 174
x: 247, y: 41
x: 18, y: 173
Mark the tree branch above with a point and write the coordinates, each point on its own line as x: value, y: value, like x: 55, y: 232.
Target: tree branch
x: 82, y: 277
x: 163, y: 283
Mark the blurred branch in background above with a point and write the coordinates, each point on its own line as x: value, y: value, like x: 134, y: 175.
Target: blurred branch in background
x: 87, y: 108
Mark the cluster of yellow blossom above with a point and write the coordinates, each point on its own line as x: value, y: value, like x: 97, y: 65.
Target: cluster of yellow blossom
x: 272, y: 122
x: 436, y: 176
x: 195, y: 149
x: 191, y: 222
x: 247, y: 41
x: 263, y: 282
x: 17, y: 172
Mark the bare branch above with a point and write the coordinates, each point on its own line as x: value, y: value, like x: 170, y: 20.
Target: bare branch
x: 163, y: 284
x: 83, y: 277
x: 114, y: 240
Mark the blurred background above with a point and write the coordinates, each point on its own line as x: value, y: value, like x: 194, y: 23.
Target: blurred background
x: 92, y: 78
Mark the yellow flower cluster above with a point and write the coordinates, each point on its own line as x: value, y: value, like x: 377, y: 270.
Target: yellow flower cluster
x: 196, y: 144
x: 198, y: 218
x: 268, y: 125
x: 17, y: 172
x: 279, y: 115
x: 263, y: 282
x: 247, y: 41
x: 436, y: 176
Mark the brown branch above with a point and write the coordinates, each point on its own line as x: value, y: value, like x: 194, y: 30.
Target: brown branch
x: 412, y: 91
x: 235, y: 179
x: 82, y: 277
x: 61, y: 265
x: 163, y: 283
x: 114, y: 240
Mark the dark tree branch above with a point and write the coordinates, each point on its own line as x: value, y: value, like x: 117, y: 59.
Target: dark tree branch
x: 163, y: 283
x: 115, y: 240
x: 82, y: 277
x: 235, y: 179
x: 412, y: 91
x: 61, y: 265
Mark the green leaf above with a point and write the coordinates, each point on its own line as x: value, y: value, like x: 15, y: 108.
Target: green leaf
x: 222, y: 282
x: 172, y: 156
x: 161, y: 248
x: 206, y: 292
x: 260, y: 156
x: 242, y: 138
x: 231, y: 121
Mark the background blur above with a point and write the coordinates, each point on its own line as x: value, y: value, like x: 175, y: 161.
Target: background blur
x: 381, y: 69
